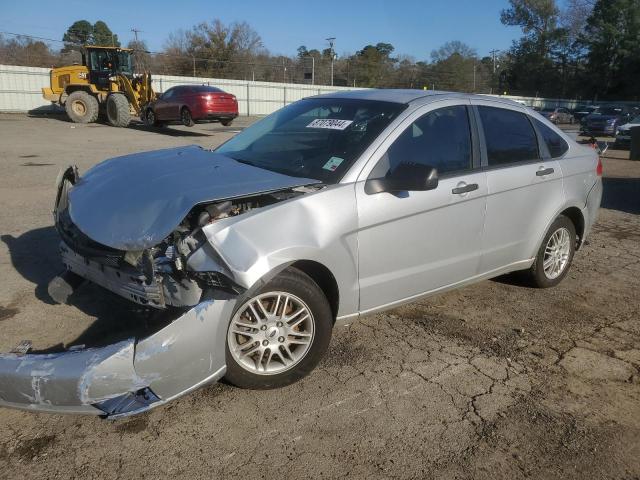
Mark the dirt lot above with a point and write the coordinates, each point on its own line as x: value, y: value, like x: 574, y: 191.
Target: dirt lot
x: 493, y: 381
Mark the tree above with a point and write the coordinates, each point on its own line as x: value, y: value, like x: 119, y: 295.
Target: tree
x: 612, y: 39
x: 374, y: 65
x: 302, y: 51
x: 537, y: 62
x: 450, y: 48
x: 82, y: 32
x: 141, y: 57
x: 78, y: 34
x: 103, y: 36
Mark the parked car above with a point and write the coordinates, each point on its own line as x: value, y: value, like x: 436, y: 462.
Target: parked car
x: 557, y: 115
x: 333, y: 207
x: 605, y: 120
x: 190, y: 104
x: 623, y: 133
x: 582, y: 111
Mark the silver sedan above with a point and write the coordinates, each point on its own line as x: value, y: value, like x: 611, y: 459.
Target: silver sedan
x: 334, y: 207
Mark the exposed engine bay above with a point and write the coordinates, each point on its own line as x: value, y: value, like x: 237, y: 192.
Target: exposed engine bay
x: 170, y: 273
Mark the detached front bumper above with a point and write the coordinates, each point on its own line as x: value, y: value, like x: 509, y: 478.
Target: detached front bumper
x: 127, y: 377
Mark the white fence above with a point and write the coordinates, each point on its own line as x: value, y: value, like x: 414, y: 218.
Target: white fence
x: 20, y: 90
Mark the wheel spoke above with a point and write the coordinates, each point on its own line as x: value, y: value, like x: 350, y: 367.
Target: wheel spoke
x: 298, y: 322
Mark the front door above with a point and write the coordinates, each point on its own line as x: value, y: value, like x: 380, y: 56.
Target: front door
x: 415, y: 242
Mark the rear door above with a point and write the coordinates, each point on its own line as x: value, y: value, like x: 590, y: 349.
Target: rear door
x: 524, y: 185
x: 414, y: 242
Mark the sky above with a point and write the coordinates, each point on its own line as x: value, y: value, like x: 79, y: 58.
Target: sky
x: 413, y: 27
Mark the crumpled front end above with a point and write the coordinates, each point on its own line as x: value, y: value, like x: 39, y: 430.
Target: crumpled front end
x: 172, y: 272
x: 125, y: 378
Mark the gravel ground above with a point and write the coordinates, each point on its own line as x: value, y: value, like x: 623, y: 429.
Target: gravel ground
x: 496, y: 380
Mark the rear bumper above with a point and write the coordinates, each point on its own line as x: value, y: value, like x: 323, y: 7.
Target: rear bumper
x: 592, y: 207
x: 127, y: 377
x: 213, y: 115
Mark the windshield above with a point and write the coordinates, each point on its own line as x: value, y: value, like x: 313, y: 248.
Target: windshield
x: 110, y: 61
x: 314, y: 138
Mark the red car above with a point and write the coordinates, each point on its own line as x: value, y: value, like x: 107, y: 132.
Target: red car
x: 190, y: 104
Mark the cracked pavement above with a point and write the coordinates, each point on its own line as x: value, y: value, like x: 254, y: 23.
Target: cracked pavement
x: 496, y: 380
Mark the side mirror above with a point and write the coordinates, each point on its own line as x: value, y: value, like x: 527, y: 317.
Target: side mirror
x: 406, y: 177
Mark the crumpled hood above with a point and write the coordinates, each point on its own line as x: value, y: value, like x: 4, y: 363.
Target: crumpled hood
x: 135, y: 201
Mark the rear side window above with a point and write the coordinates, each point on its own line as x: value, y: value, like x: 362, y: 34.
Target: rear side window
x: 555, y: 143
x: 441, y: 139
x: 509, y: 136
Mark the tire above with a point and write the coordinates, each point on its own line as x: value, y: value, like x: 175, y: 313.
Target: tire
x: 226, y: 123
x: 186, y: 118
x: 306, y: 337
x: 545, y: 277
x: 82, y: 107
x: 150, y: 120
x: 118, y: 111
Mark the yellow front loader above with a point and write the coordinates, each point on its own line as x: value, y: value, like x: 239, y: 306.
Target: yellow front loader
x: 104, y: 83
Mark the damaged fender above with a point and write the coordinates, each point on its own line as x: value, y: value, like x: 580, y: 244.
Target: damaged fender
x: 124, y: 378
x: 319, y: 227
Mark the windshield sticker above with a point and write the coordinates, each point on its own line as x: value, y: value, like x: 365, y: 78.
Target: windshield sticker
x: 330, y: 123
x: 333, y: 163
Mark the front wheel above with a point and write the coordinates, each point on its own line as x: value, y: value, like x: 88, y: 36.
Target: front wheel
x: 279, y: 335
x: 186, y: 118
x: 555, y: 254
x: 118, y: 110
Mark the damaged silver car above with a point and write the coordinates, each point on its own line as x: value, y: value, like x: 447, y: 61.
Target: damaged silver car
x: 333, y: 207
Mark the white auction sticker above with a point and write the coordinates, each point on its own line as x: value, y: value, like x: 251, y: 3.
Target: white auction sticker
x: 330, y: 123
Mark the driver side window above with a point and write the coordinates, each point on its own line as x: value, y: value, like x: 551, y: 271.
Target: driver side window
x: 440, y: 139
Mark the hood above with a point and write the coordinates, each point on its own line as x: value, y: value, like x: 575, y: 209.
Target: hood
x: 135, y: 201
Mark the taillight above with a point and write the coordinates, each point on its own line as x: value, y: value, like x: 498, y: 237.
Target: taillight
x: 599, y: 167
x: 207, y: 98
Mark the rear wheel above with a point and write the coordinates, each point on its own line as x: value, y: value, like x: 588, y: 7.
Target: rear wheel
x: 186, y: 118
x: 226, y: 123
x: 555, y: 255
x: 118, y: 111
x: 81, y: 107
x: 279, y: 335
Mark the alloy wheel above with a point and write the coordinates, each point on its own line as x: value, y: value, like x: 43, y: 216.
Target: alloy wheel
x: 556, y: 253
x: 271, y: 333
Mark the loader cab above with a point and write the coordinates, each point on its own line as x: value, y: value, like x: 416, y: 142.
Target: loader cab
x: 104, y: 62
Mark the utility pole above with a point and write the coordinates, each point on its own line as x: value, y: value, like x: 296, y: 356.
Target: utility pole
x: 331, y: 41
x: 493, y: 56
x: 136, y: 54
x: 474, y: 76
x: 135, y: 32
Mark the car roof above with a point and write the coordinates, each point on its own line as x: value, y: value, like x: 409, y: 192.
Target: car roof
x: 405, y: 96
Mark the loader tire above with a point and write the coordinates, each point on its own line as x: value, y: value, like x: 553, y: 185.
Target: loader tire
x: 118, y: 111
x: 81, y: 107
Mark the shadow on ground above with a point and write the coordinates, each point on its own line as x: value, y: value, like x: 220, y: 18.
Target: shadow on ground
x: 621, y: 194
x: 35, y: 256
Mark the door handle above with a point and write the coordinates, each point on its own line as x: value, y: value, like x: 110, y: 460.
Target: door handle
x: 465, y: 188
x: 544, y: 171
